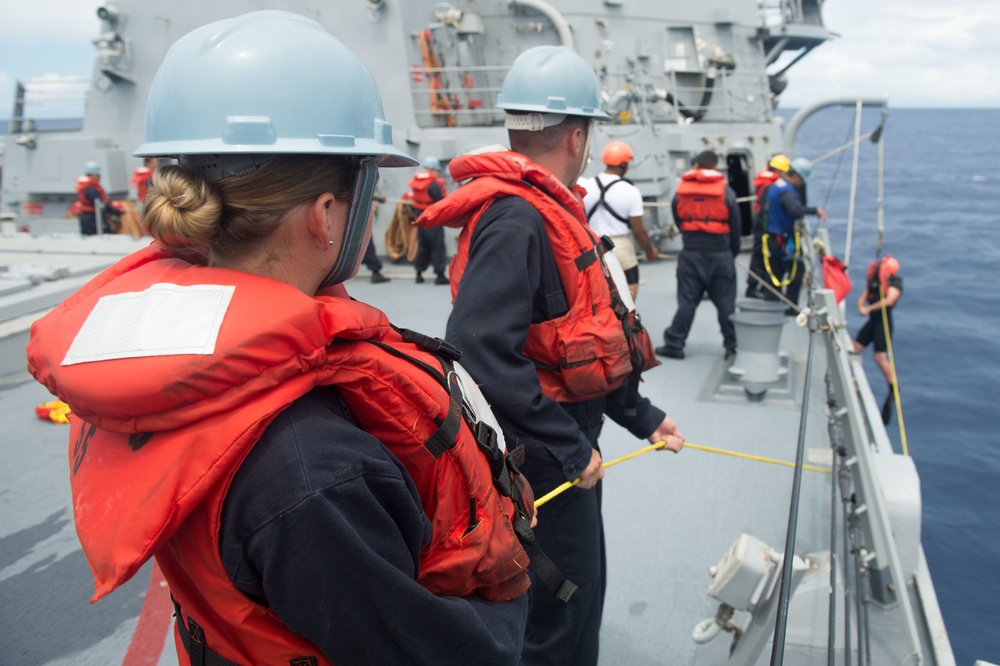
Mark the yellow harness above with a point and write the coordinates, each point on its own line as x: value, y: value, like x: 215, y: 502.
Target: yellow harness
x: 767, y: 261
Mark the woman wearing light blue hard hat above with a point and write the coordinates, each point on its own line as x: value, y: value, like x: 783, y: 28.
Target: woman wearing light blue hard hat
x: 289, y: 457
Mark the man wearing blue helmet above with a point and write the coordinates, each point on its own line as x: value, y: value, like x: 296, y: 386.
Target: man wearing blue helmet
x: 781, y: 243
x: 292, y: 461
x: 548, y: 330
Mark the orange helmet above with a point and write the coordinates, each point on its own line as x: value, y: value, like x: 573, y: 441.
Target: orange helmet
x: 890, y: 265
x: 616, y: 153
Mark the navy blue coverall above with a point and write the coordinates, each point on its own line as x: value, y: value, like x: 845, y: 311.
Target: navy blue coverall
x: 511, y: 281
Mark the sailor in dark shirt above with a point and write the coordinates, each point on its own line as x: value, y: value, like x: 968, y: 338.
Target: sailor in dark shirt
x: 882, y: 291
x: 510, y: 282
x: 782, y: 252
x: 320, y: 510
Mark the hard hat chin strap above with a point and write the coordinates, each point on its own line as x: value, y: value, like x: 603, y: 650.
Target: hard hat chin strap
x: 357, y: 222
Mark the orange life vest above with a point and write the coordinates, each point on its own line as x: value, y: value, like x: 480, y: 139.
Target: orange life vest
x: 701, y: 202
x: 419, y: 184
x: 874, y: 282
x: 82, y: 203
x: 763, y: 178
x: 156, y: 440
x: 588, y: 351
x: 140, y: 181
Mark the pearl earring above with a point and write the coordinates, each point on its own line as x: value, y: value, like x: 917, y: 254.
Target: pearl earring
x: 331, y: 243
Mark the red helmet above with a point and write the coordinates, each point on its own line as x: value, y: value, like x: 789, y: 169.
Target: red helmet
x: 616, y: 153
x: 890, y: 265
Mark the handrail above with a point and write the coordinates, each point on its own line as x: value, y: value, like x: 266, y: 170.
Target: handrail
x: 857, y: 419
x: 805, y: 112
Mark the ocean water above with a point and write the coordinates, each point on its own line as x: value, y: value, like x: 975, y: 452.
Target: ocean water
x: 942, y: 222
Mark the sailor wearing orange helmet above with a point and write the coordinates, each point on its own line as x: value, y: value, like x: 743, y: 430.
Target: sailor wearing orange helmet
x: 884, y: 288
x: 616, y: 212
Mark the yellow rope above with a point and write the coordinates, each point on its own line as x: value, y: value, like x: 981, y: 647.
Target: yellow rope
x: 772, y: 461
x: 892, y: 368
x: 688, y: 445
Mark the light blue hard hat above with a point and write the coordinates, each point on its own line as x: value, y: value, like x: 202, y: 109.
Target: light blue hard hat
x: 92, y: 168
x: 265, y: 83
x: 803, y: 167
x: 431, y: 162
x: 552, y: 79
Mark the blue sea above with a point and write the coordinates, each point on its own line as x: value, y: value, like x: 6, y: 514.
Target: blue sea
x: 942, y: 222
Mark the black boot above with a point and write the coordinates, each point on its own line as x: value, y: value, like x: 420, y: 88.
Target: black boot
x: 378, y: 278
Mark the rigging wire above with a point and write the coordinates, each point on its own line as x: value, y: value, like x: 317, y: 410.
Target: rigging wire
x: 784, y: 597
x: 854, y: 183
x: 836, y: 169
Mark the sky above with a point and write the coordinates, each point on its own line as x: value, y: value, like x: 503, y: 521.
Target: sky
x: 920, y: 53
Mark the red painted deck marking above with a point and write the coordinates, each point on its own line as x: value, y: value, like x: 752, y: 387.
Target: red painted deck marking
x: 154, y: 622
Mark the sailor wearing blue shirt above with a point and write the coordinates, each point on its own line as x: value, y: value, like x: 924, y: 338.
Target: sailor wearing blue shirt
x: 781, y: 246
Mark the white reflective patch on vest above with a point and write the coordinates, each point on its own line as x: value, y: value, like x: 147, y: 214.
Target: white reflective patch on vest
x: 476, y: 403
x: 163, y: 320
x: 618, y: 277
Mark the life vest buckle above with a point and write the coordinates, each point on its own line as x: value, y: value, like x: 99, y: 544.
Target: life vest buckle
x: 431, y: 344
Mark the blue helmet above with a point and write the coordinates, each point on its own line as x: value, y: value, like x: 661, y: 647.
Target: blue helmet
x: 265, y: 83
x: 92, y: 168
x: 552, y: 80
x: 431, y: 162
x: 803, y: 167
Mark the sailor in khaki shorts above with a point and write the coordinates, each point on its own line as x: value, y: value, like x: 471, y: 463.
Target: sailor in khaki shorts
x: 614, y: 209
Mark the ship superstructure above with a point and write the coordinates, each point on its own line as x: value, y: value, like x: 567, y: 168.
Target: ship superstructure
x: 678, y: 78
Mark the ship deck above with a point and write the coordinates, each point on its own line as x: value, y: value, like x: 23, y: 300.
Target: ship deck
x: 668, y: 517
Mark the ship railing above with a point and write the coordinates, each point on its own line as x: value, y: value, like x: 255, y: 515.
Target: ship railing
x: 467, y: 96
x: 873, y: 562
x: 778, y: 13
x: 719, y: 96
x: 48, y: 105
x: 457, y: 96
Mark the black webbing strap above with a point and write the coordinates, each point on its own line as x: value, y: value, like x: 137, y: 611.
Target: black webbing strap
x: 508, y: 481
x: 603, y: 246
x: 193, y: 639
x: 446, y: 436
x: 561, y: 588
x: 431, y: 344
x: 601, y: 202
x: 632, y: 392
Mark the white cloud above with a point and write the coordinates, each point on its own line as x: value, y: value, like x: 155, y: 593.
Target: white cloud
x: 919, y: 53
